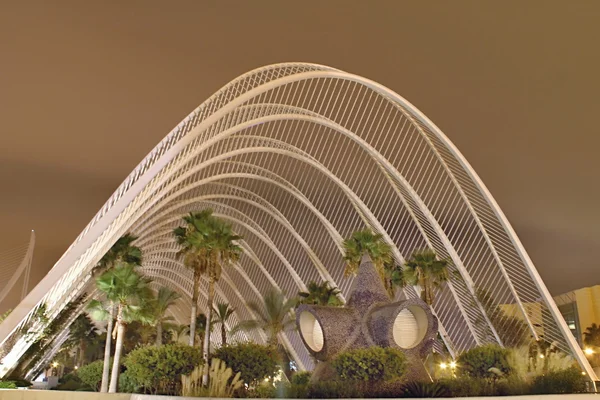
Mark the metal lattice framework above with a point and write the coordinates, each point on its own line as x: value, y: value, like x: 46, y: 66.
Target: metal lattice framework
x: 296, y: 157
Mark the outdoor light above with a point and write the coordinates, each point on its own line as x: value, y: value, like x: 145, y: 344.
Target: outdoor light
x: 55, y: 364
x: 541, y: 356
x: 588, y: 351
x: 443, y: 365
x: 452, y: 365
x: 76, y: 367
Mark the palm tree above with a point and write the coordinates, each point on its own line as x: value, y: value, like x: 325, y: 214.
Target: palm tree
x: 222, y: 313
x: 427, y: 271
x: 367, y: 242
x: 199, y: 329
x: 132, y: 295
x: 274, y: 315
x: 123, y: 251
x: 591, y: 336
x: 207, y: 243
x: 193, y: 237
x: 165, y: 298
x: 178, y: 331
x: 322, y: 295
x: 82, y: 333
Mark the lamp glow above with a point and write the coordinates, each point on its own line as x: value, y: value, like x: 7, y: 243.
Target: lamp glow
x: 443, y: 365
x: 452, y: 365
x: 588, y: 351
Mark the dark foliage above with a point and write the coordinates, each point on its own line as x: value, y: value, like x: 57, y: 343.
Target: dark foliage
x: 255, y: 362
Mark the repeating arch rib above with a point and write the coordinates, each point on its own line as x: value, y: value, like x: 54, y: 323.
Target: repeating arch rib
x: 297, y: 156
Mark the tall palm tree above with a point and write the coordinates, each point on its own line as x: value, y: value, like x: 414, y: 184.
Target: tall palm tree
x: 208, y: 244
x: 165, y: 298
x: 427, y: 271
x: 274, y: 315
x: 193, y: 240
x: 133, y: 298
x: 82, y: 333
x: 322, y: 295
x: 123, y: 251
x: 222, y: 313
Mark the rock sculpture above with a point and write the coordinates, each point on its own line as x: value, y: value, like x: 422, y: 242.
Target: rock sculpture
x: 370, y: 318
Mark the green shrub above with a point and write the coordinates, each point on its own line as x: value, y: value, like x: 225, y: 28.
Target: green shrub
x: 301, y: 378
x: 490, y: 361
x: 255, y: 362
x: 128, y: 385
x: 8, y: 385
x: 333, y: 390
x: 371, y: 364
x: 91, y: 374
x: 71, y: 385
x: 465, y: 386
x: 20, y: 382
x: 159, y: 368
x: 569, y: 380
x: 425, y: 389
x: 71, y: 376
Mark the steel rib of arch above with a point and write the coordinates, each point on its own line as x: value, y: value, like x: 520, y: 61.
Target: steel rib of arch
x: 298, y: 156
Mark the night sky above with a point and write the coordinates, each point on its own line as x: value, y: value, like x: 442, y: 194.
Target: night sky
x: 87, y: 89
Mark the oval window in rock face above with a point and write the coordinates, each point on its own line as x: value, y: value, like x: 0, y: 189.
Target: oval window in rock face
x: 410, y: 327
x: 311, y: 331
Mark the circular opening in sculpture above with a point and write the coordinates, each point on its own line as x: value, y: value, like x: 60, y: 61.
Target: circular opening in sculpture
x: 311, y: 331
x: 410, y: 327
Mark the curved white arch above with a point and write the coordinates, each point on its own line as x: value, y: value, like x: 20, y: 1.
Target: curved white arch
x: 257, y: 135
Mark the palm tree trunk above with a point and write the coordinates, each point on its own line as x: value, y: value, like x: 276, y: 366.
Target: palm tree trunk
x: 159, y: 334
x: 107, y: 349
x: 114, y: 377
x: 206, y: 352
x: 223, y: 334
x: 195, y: 293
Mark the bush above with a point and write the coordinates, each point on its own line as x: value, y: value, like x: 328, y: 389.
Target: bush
x: 255, y: 362
x: 91, y: 374
x: 128, y: 385
x: 8, y: 385
x: 425, y: 389
x: 20, y: 382
x: 159, y: 368
x: 371, y: 364
x: 301, y: 378
x: 569, y: 380
x: 465, y: 386
x: 72, y: 385
x: 490, y: 361
x: 333, y: 390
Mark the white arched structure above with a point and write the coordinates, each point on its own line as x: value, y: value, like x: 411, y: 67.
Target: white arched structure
x: 296, y: 157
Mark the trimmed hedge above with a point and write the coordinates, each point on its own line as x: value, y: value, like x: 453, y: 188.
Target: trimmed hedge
x: 490, y: 361
x: 254, y: 362
x: 159, y: 368
x: 371, y: 364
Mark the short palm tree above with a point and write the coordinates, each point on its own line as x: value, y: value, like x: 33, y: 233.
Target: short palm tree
x: 591, y: 336
x: 222, y: 313
x: 322, y: 295
x: 123, y: 251
x: 274, y: 315
x: 207, y: 244
x: 133, y: 298
x: 178, y: 331
x: 82, y: 333
x: 367, y: 242
x: 199, y: 329
x: 165, y: 298
x: 427, y: 271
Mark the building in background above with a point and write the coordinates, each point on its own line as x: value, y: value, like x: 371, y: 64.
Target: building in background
x: 580, y: 309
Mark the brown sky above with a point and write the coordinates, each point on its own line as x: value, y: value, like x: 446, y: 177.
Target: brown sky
x: 87, y: 88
